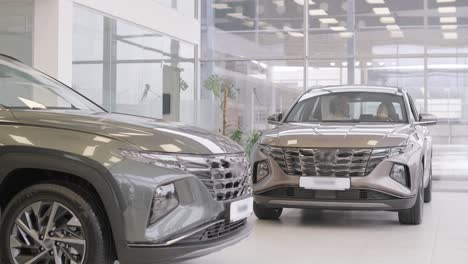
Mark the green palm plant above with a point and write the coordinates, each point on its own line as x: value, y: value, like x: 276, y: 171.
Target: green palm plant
x: 223, y: 90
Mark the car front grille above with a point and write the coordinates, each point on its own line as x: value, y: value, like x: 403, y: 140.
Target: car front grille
x: 343, y: 162
x: 216, y: 231
x: 226, y: 176
x: 347, y: 195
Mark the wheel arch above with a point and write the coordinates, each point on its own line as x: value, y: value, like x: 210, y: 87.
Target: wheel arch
x: 37, y: 165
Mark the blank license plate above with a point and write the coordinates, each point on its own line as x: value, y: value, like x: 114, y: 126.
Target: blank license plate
x: 241, y: 209
x: 325, y: 183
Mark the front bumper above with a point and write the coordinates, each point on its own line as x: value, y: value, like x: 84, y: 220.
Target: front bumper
x: 335, y: 200
x: 151, y: 254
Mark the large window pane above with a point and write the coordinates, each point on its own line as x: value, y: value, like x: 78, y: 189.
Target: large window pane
x: 131, y: 69
x: 16, y: 20
x: 260, y: 88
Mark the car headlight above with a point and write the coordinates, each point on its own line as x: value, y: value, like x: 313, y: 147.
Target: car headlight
x: 400, y: 174
x: 261, y: 170
x: 167, y: 160
x: 395, y: 151
x: 164, y: 201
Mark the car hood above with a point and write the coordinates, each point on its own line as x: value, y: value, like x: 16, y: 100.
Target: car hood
x: 337, y: 135
x: 143, y: 133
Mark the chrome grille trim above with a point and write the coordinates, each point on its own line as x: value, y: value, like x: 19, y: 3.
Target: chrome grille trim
x: 226, y: 176
x: 334, y: 162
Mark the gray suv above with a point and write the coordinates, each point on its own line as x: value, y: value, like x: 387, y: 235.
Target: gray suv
x: 346, y: 148
x: 81, y: 185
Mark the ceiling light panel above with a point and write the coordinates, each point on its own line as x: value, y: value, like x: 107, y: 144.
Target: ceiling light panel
x: 387, y: 20
x: 374, y: 2
x: 328, y: 20
x: 447, y: 9
x: 301, y: 2
x: 346, y: 34
x: 317, y: 12
x: 381, y: 10
x: 448, y: 27
x: 397, y: 34
x: 446, y: 1
x: 393, y: 27
x: 448, y: 20
x: 450, y: 35
x: 220, y: 6
x: 338, y: 28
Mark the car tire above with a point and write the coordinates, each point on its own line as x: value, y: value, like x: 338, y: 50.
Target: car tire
x: 70, y: 224
x: 414, y: 215
x: 266, y: 213
x: 428, y: 189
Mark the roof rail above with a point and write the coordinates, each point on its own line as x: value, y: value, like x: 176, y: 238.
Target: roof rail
x: 10, y: 57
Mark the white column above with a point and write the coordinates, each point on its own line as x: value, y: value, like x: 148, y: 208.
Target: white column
x: 53, y: 26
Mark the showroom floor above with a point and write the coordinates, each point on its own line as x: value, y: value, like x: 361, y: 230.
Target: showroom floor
x: 304, y: 236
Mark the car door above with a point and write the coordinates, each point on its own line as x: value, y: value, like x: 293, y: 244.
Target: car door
x: 424, y: 133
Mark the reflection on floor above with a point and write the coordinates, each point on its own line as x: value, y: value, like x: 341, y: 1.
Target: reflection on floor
x: 329, y: 237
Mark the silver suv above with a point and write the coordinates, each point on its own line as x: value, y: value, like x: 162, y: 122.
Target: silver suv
x: 350, y: 148
x: 81, y: 185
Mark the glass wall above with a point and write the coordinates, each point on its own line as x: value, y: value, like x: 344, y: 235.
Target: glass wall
x: 130, y: 69
x: 288, y: 46
x: 16, y: 29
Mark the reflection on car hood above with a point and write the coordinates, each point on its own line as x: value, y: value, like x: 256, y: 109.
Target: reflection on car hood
x: 335, y: 135
x: 144, y: 133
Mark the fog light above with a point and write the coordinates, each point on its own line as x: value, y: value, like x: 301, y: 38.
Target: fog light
x: 262, y: 170
x: 399, y: 174
x: 164, y: 201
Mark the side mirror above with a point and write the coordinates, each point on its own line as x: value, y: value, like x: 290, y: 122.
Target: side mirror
x: 275, y: 119
x: 427, y: 120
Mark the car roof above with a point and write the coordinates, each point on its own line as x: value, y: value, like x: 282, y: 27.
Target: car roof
x: 357, y: 88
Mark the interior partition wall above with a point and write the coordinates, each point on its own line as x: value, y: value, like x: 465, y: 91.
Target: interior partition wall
x: 131, y: 69
x: 274, y: 50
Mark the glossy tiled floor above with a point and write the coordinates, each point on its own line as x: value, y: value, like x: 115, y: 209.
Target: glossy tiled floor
x: 328, y: 237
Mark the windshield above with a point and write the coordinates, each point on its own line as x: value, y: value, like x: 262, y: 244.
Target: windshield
x: 25, y: 88
x: 349, y: 107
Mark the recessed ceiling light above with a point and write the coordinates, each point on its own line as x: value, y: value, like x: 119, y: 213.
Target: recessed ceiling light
x: 301, y: 2
x: 387, y: 20
x: 445, y: 1
x: 446, y: 20
x: 448, y: 27
x: 397, y: 34
x: 369, y: 63
x: 346, y: 34
x: 332, y: 64
x: 447, y: 9
x: 338, y: 28
x: 344, y: 63
x: 236, y: 15
x: 381, y: 10
x: 381, y: 63
x: 220, y: 6
x: 373, y: 2
x: 296, y: 34
x: 317, y: 12
x: 357, y: 63
x: 393, y: 27
x: 450, y: 35
x: 328, y: 20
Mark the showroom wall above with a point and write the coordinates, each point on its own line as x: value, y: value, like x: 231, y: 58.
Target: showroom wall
x: 273, y: 50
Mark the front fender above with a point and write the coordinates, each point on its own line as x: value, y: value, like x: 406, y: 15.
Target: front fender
x: 25, y: 157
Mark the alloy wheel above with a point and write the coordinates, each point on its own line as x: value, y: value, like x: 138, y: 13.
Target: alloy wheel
x: 47, y: 233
